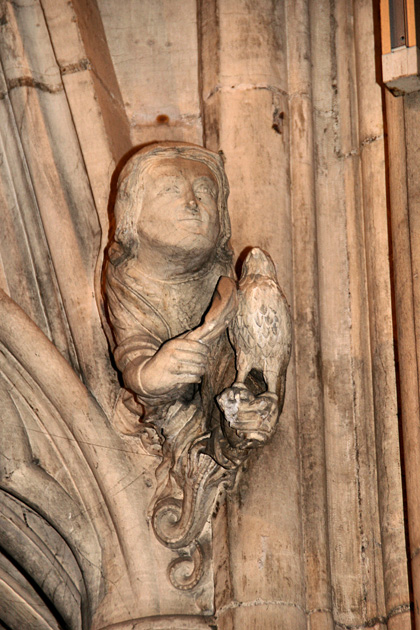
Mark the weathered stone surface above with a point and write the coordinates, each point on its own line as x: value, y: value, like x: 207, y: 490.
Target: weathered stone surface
x: 403, y: 204
x: 155, y: 52
x: 313, y: 534
x: 307, y: 335
x: 169, y: 259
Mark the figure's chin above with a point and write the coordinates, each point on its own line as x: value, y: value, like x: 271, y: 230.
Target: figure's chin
x: 191, y: 243
x: 198, y: 251
x: 186, y: 250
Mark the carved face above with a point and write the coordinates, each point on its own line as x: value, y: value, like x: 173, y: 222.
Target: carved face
x: 179, y: 210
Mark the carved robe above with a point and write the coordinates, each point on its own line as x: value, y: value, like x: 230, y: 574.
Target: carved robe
x: 144, y: 313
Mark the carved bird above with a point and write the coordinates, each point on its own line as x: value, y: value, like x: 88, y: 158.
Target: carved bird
x: 261, y: 332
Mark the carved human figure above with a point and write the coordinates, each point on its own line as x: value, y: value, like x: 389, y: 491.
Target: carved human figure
x: 169, y: 251
x: 170, y: 296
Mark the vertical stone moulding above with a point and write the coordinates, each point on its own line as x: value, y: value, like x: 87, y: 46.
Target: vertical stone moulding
x: 341, y: 306
x: 307, y: 343
x: 391, y: 567
x: 403, y: 240
x: 240, y: 97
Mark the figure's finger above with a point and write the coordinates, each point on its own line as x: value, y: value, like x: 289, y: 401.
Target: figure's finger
x: 255, y: 437
x: 221, y: 312
x: 189, y: 378
x: 182, y: 364
x: 245, y: 423
x: 183, y: 359
x: 182, y: 368
x: 188, y: 355
x: 244, y: 394
x: 188, y: 345
x: 246, y: 409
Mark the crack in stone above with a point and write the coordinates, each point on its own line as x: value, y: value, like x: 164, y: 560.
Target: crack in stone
x: 26, y: 81
x: 370, y: 623
x: 318, y: 610
x: 399, y: 610
x: 245, y: 87
x: 303, y: 94
x: 79, y: 66
x: 183, y: 120
x: 356, y: 151
x: 257, y: 602
x: 371, y: 139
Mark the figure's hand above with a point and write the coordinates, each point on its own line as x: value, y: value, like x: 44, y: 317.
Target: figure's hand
x: 177, y: 363
x: 249, y: 420
x: 223, y: 308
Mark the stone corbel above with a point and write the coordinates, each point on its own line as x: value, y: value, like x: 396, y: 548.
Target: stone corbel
x: 202, y: 428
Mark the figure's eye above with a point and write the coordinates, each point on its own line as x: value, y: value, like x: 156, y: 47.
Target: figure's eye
x: 170, y: 189
x: 204, y: 189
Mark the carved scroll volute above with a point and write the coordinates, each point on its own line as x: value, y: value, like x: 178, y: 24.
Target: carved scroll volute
x: 170, y: 300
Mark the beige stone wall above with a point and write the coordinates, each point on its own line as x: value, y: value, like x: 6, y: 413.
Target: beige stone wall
x: 402, y: 117
x: 313, y: 536
x: 149, y: 40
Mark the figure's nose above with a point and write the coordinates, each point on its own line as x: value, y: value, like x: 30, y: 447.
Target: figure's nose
x: 192, y: 204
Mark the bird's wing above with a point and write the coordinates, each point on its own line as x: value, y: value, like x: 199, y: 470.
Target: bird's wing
x: 241, y: 329
x: 263, y: 317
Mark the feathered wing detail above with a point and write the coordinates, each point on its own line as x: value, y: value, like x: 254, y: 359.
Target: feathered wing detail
x: 261, y: 330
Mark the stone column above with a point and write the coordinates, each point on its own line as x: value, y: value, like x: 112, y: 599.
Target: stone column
x: 411, y: 426
x: 365, y: 513
x: 402, y: 114
x: 306, y: 306
x: 381, y: 333
x: 245, y: 113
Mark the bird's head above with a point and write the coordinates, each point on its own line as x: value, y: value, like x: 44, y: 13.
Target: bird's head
x: 258, y: 263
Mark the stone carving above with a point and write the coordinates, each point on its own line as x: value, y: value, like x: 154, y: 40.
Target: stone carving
x: 171, y: 297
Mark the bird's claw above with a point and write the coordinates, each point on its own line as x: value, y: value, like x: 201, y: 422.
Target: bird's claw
x: 248, y: 420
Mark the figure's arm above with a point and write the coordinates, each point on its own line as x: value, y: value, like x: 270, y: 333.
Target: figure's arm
x: 176, y: 364
x: 159, y: 372
x: 154, y: 368
x: 182, y: 361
